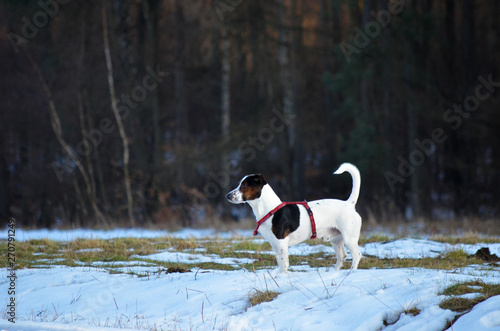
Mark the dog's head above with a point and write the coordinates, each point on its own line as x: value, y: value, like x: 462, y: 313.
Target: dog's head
x: 249, y: 189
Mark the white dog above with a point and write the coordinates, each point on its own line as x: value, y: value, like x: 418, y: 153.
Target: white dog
x: 286, y: 224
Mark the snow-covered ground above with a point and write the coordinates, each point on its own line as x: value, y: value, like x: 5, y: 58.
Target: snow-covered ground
x: 91, y: 298
x: 65, y: 235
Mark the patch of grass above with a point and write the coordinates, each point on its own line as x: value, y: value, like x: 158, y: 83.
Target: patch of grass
x: 468, y: 238
x: 376, y: 238
x: 463, y: 288
x: 45, y: 253
x: 458, y: 304
x: 456, y: 254
x: 201, y: 265
x: 179, y: 244
x: 249, y: 245
x: 449, y: 261
x: 258, y: 297
x: 315, y: 260
x: 414, y: 311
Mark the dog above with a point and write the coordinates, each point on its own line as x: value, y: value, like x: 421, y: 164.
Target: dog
x: 333, y: 220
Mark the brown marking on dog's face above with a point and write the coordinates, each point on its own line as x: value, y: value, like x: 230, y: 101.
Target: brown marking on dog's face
x: 251, y: 187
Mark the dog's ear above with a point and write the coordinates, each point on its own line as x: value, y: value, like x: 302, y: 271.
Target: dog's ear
x: 262, y: 179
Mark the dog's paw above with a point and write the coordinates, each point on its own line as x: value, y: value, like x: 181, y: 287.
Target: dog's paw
x: 278, y: 271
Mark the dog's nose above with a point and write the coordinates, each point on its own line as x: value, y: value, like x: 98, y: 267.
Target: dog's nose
x: 227, y: 195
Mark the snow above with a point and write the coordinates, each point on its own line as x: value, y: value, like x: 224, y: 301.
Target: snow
x: 194, y: 258
x: 91, y: 298
x: 67, y: 235
x: 484, y: 316
x: 418, y: 248
x: 401, y: 248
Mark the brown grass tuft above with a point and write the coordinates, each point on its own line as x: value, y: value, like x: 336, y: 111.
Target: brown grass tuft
x: 259, y: 297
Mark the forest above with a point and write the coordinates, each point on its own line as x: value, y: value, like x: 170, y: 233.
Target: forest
x: 147, y: 112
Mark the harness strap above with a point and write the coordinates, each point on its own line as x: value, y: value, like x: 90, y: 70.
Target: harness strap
x: 283, y: 204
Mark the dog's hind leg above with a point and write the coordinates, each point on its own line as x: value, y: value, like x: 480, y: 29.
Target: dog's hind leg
x: 352, y: 245
x: 351, y: 227
x: 338, y: 245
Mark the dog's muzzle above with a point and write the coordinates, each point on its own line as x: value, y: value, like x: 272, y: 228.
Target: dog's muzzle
x: 234, y: 196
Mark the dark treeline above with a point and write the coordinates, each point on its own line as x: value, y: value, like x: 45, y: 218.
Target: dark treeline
x: 140, y: 112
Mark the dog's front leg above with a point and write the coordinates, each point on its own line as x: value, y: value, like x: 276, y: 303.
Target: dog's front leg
x: 281, y: 250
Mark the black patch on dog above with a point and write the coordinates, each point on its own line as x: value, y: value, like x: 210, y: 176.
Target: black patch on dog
x: 285, y: 221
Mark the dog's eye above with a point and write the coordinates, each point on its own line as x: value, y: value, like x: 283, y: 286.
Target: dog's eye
x: 244, y: 186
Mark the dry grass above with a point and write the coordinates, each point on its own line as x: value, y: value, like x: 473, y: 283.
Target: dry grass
x: 414, y: 311
x: 258, y: 297
x: 467, y: 238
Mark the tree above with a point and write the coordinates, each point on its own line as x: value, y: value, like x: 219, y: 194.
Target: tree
x: 119, y: 122
x: 286, y: 59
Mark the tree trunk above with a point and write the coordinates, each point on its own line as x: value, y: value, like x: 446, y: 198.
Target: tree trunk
x: 97, y: 158
x: 414, y: 206
x: 150, y: 10
x: 225, y: 85
x: 225, y: 115
x: 365, y: 81
x: 151, y: 57
x: 181, y: 123
x: 328, y: 67
x: 286, y: 60
x: 465, y: 203
x: 81, y: 108
x: 114, y: 107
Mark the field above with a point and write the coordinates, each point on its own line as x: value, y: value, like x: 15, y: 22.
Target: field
x: 207, y: 280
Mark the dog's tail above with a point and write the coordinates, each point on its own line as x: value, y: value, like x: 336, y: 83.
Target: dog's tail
x: 356, y: 180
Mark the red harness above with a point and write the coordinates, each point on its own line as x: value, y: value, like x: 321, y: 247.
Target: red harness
x: 283, y: 204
